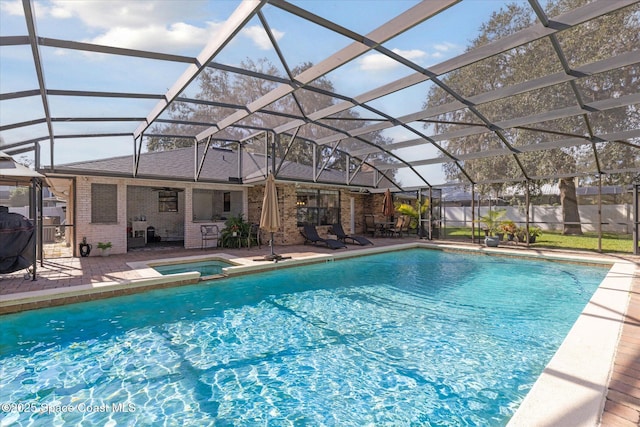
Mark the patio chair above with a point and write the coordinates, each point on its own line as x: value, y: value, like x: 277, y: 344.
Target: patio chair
x: 344, y: 237
x: 399, y: 226
x: 370, y: 225
x: 209, y: 232
x: 254, y: 235
x: 310, y: 234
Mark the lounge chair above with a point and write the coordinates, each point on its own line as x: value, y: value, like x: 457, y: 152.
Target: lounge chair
x: 344, y: 237
x: 310, y: 234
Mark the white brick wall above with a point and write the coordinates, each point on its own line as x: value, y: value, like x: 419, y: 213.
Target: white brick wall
x: 178, y: 224
x: 94, y: 233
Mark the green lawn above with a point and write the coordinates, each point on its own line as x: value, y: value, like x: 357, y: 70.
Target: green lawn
x: 552, y: 239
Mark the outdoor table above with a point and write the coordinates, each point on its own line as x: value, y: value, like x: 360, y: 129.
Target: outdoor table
x: 383, y: 227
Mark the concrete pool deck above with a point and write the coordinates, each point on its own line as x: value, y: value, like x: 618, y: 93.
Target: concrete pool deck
x: 600, y: 357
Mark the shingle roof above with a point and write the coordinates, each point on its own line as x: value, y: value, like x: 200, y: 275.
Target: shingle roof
x: 220, y: 166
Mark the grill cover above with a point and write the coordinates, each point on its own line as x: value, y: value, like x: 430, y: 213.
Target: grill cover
x: 17, y: 240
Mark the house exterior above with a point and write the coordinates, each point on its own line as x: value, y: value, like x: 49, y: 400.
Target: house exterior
x: 105, y: 203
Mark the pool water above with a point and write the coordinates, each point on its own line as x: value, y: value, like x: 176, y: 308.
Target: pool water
x: 206, y: 268
x: 416, y: 337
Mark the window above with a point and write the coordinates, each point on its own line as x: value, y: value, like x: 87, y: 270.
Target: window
x: 104, y: 203
x: 318, y: 207
x: 227, y: 201
x: 216, y: 205
x: 167, y: 201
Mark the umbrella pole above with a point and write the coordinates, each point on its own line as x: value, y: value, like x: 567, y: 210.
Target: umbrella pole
x: 271, y: 243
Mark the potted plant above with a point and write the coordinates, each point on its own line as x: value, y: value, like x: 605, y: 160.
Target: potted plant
x: 105, y: 247
x: 235, y: 229
x: 534, y: 232
x: 509, y: 228
x: 491, y: 221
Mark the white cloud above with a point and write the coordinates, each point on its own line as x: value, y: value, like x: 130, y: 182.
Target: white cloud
x: 445, y: 50
x: 156, y: 37
x: 60, y: 12
x: 445, y: 47
x: 259, y: 36
x: 378, y: 61
x: 12, y: 8
x: 126, y: 13
x: 149, y: 25
x: 412, y: 54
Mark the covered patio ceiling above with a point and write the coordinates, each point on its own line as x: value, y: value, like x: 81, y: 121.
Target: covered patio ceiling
x: 355, y: 81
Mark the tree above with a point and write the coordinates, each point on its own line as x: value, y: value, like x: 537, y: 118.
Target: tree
x: 595, y: 40
x: 19, y: 196
x: 232, y: 91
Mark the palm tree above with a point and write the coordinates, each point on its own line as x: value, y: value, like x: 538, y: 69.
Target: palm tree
x: 492, y: 221
x: 413, y: 212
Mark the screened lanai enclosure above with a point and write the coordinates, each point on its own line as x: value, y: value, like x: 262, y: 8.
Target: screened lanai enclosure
x: 488, y: 104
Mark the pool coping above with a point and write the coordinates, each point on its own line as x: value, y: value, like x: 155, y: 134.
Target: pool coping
x: 573, y: 386
x: 22, y: 301
x: 571, y: 389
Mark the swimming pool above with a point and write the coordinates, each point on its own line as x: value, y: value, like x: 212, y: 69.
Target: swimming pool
x: 411, y: 337
x: 205, y: 268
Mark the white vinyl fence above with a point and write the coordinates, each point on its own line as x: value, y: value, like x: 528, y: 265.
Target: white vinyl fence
x: 52, y: 217
x: 51, y: 212
x: 615, y: 218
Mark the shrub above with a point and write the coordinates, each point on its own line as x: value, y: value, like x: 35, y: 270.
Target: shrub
x: 104, y: 245
x: 234, y: 224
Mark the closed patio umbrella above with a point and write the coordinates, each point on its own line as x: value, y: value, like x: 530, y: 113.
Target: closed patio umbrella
x: 270, y: 216
x: 387, y: 204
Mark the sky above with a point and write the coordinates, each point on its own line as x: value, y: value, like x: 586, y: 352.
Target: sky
x: 183, y: 27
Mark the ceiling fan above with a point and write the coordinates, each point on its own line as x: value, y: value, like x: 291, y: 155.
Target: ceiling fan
x: 179, y: 190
